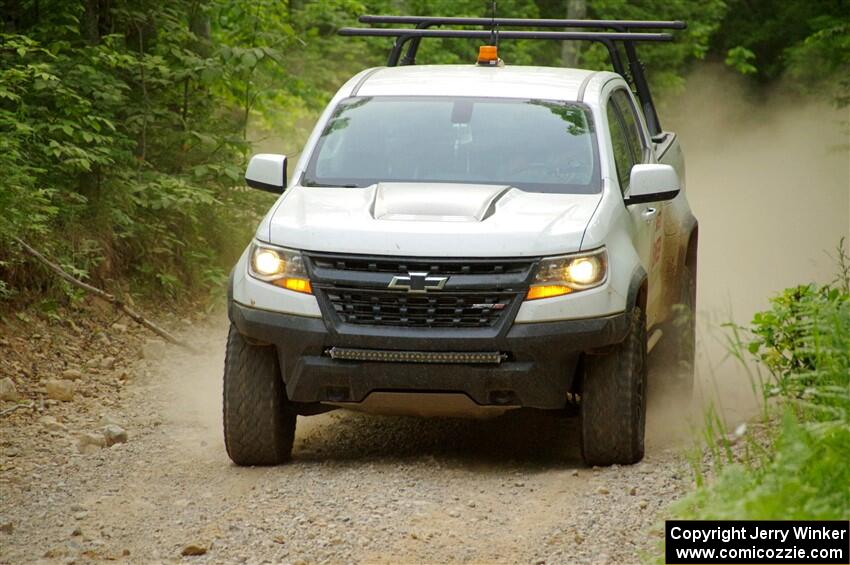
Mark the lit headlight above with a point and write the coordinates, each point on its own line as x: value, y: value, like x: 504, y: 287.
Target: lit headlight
x: 280, y: 267
x: 267, y: 262
x: 585, y: 271
x: 561, y: 275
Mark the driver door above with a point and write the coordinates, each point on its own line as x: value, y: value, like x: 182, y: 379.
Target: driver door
x: 630, y: 148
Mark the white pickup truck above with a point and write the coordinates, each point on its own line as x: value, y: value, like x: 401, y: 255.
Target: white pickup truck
x: 463, y: 240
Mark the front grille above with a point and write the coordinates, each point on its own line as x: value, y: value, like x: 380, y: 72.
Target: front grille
x: 432, y: 310
x: 437, y: 266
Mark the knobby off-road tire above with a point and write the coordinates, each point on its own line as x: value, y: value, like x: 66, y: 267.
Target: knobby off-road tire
x: 613, y: 400
x: 259, y: 422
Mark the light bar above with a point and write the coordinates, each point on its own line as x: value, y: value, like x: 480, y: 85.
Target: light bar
x: 389, y: 356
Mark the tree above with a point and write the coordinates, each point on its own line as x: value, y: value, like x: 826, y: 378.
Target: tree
x: 570, y: 50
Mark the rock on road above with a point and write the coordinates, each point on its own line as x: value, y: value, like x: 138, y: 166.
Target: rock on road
x: 359, y: 489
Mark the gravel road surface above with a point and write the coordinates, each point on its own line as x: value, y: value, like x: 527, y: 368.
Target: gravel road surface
x: 359, y: 489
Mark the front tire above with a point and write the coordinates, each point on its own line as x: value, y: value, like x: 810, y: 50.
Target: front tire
x: 613, y: 400
x: 259, y: 421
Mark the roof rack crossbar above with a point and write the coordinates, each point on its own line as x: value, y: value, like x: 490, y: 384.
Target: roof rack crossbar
x: 481, y: 34
x: 622, y: 33
x: 523, y: 22
x: 413, y: 40
x: 430, y: 21
x: 424, y: 22
x: 408, y: 35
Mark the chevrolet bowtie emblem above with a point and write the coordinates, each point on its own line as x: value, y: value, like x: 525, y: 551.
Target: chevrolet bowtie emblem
x: 418, y: 282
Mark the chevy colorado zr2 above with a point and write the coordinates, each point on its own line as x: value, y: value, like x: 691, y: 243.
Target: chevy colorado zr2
x: 464, y: 240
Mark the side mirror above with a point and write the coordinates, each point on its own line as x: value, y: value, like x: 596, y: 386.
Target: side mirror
x: 267, y: 171
x: 652, y: 183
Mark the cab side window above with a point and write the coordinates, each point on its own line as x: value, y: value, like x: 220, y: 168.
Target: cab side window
x: 623, y: 158
x: 630, y: 121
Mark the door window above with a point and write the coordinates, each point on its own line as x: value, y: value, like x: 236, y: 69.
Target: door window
x: 623, y: 158
x: 632, y: 124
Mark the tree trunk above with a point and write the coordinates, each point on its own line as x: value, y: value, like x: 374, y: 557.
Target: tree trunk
x: 91, y: 21
x: 570, y: 50
x: 10, y: 22
x: 199, y: 25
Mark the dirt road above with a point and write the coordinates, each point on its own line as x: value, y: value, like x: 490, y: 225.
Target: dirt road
x: 360, y: 488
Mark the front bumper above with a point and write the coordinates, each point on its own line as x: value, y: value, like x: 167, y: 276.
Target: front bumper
x: 538, y: 372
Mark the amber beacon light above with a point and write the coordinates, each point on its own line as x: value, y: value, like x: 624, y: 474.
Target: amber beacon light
x: 488, y: 55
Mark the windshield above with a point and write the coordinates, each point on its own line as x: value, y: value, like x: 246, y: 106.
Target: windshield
x: 533, y: 145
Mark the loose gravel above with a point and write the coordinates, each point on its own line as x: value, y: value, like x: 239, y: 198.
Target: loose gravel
x: 359, y: 489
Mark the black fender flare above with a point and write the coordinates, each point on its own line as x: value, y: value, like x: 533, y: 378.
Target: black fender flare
x: 637, y: 285
x: 637, y: 293
x: 691, y: 229
x: 230, y: 292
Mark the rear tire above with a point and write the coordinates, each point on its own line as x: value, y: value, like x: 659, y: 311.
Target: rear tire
x: 613, y: 400
x: 677, y: 351
x: 259, y: 421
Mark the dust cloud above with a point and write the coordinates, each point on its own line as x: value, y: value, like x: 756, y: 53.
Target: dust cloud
x: 768, y: 177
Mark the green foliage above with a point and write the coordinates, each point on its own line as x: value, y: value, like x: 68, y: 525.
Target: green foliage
x: 117, y: 155
x: 741, y: 59
x: 804, y: 342
x: 822, y: 60
x: 666, y: 64
x: 804, y: 477
x: 808, y: 42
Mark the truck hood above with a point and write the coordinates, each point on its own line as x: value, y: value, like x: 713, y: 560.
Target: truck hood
x: 429, y: 220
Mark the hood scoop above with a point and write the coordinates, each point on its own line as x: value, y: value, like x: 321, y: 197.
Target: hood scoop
x: 428, y: 202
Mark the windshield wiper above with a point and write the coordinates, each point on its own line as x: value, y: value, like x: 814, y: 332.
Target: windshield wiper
x: 308, y: 182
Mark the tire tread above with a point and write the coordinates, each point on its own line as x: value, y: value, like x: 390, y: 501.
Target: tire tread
x: 259, y: 423
x: 612, y: 409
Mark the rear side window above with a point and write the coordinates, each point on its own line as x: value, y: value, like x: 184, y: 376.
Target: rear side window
x: 623, y: 158
x: 632, y: 125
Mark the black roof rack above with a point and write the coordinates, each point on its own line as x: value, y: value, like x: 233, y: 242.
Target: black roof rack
x: 622, y: 33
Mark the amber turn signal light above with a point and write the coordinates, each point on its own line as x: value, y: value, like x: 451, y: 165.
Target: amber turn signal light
x: 298, y: 285
x: 547, y: 291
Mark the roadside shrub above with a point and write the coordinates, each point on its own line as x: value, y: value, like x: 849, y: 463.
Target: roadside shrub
x: 803, y: 475
x: 804, y: 342
x: 118, y: 156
